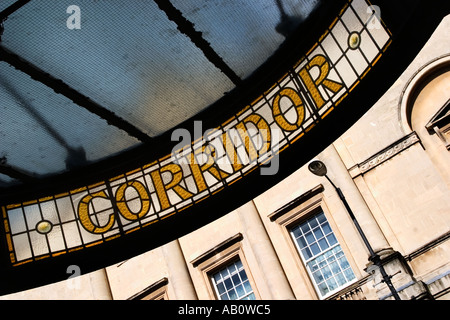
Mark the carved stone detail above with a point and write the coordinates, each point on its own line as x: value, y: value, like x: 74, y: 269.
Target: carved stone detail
x: 389, y: 152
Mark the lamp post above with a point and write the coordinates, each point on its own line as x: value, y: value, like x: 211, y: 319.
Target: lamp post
x: 319, y: 169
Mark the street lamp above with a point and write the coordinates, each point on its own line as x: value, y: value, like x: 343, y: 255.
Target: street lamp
x: 319, y: 169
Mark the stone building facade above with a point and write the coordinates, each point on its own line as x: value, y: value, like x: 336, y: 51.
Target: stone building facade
x: 297, y: 241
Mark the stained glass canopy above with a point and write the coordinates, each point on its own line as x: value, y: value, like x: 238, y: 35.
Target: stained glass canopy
x: 145, y: 71
x: 127, y: 124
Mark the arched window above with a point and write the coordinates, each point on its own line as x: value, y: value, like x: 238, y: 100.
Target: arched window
x: 425, y: 109
x: 425, y: 95
x: 440, y: 124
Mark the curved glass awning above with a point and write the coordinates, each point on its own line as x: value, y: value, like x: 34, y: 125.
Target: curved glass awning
x: 149, y: 65
x: 125, y: 126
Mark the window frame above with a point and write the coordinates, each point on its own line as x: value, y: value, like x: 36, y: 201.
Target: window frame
x: 440, y: 124
x: 156, y: 291
x: 295, y: 213
x: 224, y: 267
x: 306, y: 262
x: 218, y: 258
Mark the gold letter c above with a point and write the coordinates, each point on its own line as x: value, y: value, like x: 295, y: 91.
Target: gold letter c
x: 85, y: 219
x: 122, y: 203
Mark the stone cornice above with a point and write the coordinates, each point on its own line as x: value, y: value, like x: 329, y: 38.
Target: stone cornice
x: 384, y: 155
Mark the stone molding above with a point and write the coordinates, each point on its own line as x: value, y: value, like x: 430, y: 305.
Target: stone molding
x: 385, y: 154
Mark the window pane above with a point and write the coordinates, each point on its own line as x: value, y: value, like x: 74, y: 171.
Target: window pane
x: 349, y: 274
x: 326, y: 228
x: 306, y: 253
x: 313, y: 265
x: 247, y: 286
x: 240, y: 290
x: 217, y: 277
x: 305, y: 228
x: 297, y: 232
x: 335, y: 268
x: 301, y: 242
x: 332, y: 285
x: 323, y: 288
x: 338, y: 252
x: 315, y: 249
x: 313, y: 223
x: 236, y: 279
x: 243, y: 275
x: 331, y: 239
x: 328, y: 254
x: 331, y: 258
x: 326, y: 263
x: 344, y: 263
x: 340, y: 279
x: 221, y: 288
x: 326, y: 272
x: 321, y: 218
x: 323, y: 244
x: 310, y: 238
x: 318, y: 233
x: 231, y: 283
x: 224, y: 273
x: 318, y: 276
x: 228, y: 284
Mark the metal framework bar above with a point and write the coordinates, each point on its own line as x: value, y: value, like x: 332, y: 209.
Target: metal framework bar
x: 12, y: 8
x: 15, y: 173
x: 78, y: 98
x: 186, y: 27
x: 44, y: 123
x: 283, y: 14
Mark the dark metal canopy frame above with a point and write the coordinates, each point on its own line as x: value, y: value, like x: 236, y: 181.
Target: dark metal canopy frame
x: 409, y: 25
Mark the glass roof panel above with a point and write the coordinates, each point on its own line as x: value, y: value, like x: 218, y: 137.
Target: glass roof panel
x: 245, y: 33
x: 5, y: 180
x: 128, y: 57
x: 132, y: 59
x: 39, y: 127
x: 5, y: 4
